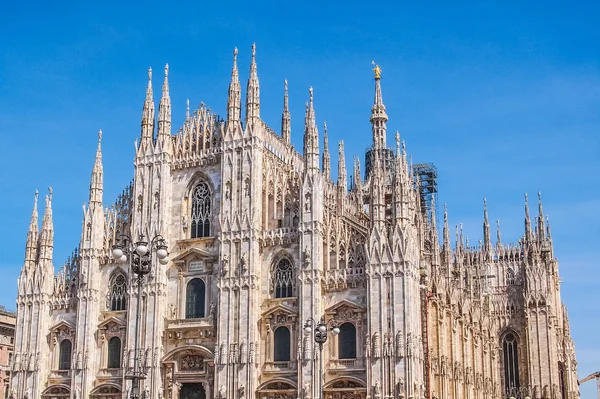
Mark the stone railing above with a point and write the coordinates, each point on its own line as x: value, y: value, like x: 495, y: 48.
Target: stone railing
x: 274, y: 367
x: 346, y: 364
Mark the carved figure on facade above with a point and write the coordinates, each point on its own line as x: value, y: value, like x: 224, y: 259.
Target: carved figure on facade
x: 377, y: 390
x: 222, y: 392
x: 399, y: 345
x: 367, y: 346
x: 306, y: 348
x: 376, y: 346
x: 251, y: 353
x: 243, y: 352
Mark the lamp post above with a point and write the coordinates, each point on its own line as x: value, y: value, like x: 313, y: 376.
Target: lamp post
x: 139, y: 255
x: 320, y: 330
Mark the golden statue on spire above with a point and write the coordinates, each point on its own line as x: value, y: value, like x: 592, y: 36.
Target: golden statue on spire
x: 377, y: 70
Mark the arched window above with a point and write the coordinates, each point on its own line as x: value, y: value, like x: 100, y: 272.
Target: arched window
x: 510, y: 277
x: 201, y: 211
x: 284, y: 279
x: 195, y: 299
x: 64, y: 356
x: 511, y: 362
x: 118, y: 293
x: 281, y: 345
x: 114, y: 353
x: 347, y: 341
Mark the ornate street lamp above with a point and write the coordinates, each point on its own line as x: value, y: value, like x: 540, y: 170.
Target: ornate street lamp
x: 139, y: 255
x: 320, y: 331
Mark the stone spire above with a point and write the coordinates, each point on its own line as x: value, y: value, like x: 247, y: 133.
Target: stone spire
x: 253, y: 93
x: 326, y: 155
x: 32, y: 235
x: 342, y: 177
x: 487, y: 242
x: 498, y: 235
x: 46, y: 239
x: 356, y: 172
x: 528, y: 234
x: 311, y: 137
x: 446, y: 248
x: 96, y: 182
x: 286, y: 119
x: 235, y: 97
x: 164, y: 110
x: 541, y: 229
x: 148, y: 114
x: 378, y: 114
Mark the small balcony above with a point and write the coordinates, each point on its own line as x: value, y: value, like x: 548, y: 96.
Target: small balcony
x: 339, y: 365
x: 60, y: 374
x: 280, y: 367
x: 110, y: 373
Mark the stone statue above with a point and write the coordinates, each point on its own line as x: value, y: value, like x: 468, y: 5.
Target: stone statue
x: 376, y: 346
x: 223, y: 353
x: 222, y: 391
x: 212, y: 309
x: 251, y: 353
x: 306, y: 390
x: 241, y: 391
x: 367, y: 346
x: 77, y: 393
x: 399, y: 345
x: 225, y: 265
x: 147, y: 393
x: 299, y: 349
x: 306, y: 255
x: 243, y: 352
x: 244, y: 263
x: 377, y: 389
x: 545, y: 392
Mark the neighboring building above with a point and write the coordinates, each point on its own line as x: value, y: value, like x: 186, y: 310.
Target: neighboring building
x: 261, y: 239
x: 7, y: 342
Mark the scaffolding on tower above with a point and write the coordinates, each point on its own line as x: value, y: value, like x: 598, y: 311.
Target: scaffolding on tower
x: 428, y: 188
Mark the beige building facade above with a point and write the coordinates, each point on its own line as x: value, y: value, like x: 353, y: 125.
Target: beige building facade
x: 7, y: 342
x: 262, y: 241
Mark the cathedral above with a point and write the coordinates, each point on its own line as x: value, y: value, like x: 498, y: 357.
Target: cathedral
x: 281, y: 282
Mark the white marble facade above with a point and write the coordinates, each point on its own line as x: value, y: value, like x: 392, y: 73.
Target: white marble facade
x: 261, y: 239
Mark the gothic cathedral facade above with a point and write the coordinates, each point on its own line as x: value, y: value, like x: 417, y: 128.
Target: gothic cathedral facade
x: 262, y: 241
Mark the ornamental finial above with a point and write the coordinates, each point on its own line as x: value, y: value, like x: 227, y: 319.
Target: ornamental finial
x: 377, y: 70
x: 150, y: 73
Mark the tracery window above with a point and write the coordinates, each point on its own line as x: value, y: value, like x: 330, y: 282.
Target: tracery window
x: 64, y: 355
x: 281, y: 345
x: 511, y: 362
x: 195, y: 299
x: 114, y: 353
x: 201, y: 211
x: 118, y: 293
x: 347, y: 341
x: 510, y: 277
x: 284, y: 279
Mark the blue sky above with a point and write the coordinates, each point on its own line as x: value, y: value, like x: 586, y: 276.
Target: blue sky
x: 504, y: 98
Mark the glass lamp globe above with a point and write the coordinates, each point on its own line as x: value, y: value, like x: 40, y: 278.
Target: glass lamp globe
x: 163, y: 261
x: 141, y: 250
x: 117, y: 252
x: 162, y: 254
x: 335, y: 330
x: 122, y: 259
x: 307, y: 329
x: 322, y: 328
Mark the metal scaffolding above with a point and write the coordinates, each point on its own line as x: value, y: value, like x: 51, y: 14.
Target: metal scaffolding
x: 428, y: 187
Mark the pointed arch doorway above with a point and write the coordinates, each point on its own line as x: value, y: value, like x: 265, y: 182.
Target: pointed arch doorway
x: 192, y: 391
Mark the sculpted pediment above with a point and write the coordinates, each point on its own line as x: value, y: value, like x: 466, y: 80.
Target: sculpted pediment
x: 111, y: 321
x: 280, y: 314
x: 191, y: 254
x: 345, y: 305
x: 63, y: 328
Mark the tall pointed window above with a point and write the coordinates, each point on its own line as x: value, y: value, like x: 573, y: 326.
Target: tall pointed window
x: 283, y: 279
x: 114, y: 353
x: 64, y: 355
x: 195, y: 299
x: 281, y: 345
x: 118, y: 293
x: 511, y: 362
x: 510, y: 277
x: 201, y: 210
x: 347, y: 341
